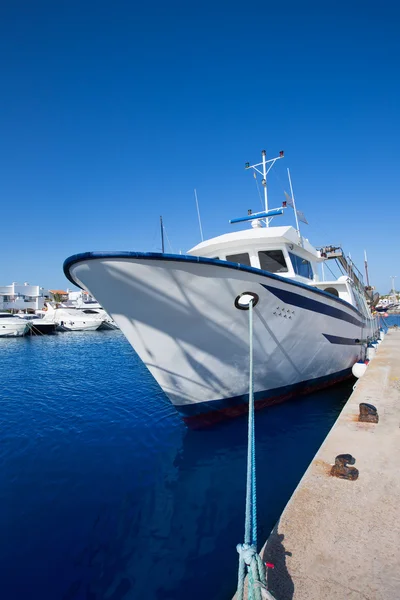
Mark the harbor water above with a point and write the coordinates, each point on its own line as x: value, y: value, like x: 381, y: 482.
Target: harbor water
x: 104, y: 492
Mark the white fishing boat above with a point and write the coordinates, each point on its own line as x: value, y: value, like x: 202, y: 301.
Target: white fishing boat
x: 186, y: 315
x: 11, y: 326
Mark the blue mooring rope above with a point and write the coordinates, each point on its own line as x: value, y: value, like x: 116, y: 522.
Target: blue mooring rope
x: 249, y: 560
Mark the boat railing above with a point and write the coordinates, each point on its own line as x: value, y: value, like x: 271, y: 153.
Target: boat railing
x: 345, y: 264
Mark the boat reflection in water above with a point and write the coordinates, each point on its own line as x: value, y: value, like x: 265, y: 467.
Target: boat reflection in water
x: 176, y: 534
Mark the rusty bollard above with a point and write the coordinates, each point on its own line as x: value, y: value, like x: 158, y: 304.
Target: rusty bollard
x: 368, y: 413
x: 341, y: 467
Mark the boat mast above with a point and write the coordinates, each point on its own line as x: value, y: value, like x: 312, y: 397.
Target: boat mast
x: 264, y: 173
x: 366, y: 267
x: 162, y: 234
x: 264, y: 181
x: 393, y: 277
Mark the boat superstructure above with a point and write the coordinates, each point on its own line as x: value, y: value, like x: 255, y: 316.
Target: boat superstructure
x: 184, y: 316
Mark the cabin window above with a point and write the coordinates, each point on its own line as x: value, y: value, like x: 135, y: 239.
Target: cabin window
x: 301, y: 266
x: 272, y: 261
x: 243, y: 259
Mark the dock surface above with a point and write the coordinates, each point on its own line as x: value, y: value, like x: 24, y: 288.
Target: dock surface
x: 340, y: 538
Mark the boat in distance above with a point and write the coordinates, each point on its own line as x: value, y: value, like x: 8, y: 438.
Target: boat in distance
x: 185, y: 317
x: 37, y: 325
x: 71, y: 319
x: 12, y: 326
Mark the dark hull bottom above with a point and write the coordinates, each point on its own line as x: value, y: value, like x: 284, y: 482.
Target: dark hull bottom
x: 106, y: 326
x: 42, y: 329
x: 238, y: 406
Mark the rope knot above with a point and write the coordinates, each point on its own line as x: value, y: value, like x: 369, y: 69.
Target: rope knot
x: 246, y: 552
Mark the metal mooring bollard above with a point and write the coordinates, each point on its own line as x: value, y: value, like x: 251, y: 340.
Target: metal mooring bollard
x: 341, y: 467
x: 368, y: 413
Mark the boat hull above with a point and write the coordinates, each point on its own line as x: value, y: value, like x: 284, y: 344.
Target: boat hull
x: 37, y: 327
x: 237, y: 406
x: 179, y: 314
x: 108, y: 325
x: 78, y: 326
x: 13, y: 330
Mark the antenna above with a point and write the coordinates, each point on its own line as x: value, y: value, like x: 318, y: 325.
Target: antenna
x: 264, y: 174
x: 294, y: 206
x: 162, y: 234
x: 366, y: 267
x: 198, y: 215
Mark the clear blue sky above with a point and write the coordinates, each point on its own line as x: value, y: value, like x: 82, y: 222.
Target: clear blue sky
x: 112, y: 112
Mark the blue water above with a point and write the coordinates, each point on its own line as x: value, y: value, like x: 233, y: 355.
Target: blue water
x: 105, y: 494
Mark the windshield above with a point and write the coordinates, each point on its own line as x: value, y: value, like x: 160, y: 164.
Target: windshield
x: 272, y: 261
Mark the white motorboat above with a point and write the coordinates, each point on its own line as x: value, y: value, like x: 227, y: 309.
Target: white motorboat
x: 12, y: 326
x: 37, y: 325
x: 187, y: 316
x: 107, y: 321
x: 79, y: 301
x: 70, y: 319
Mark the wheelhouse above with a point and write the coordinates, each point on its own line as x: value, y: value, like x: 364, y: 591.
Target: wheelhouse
x: 280, y: 250
x: 277, y: 250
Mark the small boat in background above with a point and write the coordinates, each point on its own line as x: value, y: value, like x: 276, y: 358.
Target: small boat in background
x: 86, y: 304
x: 11, y: 326
x: 70, y: 319
x: 38, y: 325
x: 108, y: 322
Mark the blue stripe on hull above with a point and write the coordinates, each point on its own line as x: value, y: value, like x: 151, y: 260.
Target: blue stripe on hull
x: 309, y: 304
x: 266, y: 396
x: 344, y: 341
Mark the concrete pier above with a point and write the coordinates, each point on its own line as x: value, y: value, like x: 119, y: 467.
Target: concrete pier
x: 340, y: 537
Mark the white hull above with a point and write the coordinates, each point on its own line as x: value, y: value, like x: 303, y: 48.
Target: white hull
x: 13, y: 329
x: 68, y: 319
x: 98, y: 313
x: 78, y: 326
x: 179, y: 315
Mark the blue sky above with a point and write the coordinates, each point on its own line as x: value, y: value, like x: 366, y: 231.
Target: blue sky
x: 112, y: 113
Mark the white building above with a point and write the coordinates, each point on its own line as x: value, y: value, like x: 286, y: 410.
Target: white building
x: 22, y: 297
x: 80, y: 299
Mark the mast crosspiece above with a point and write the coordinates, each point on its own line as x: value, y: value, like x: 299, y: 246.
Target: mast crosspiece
x: 264, y: 173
